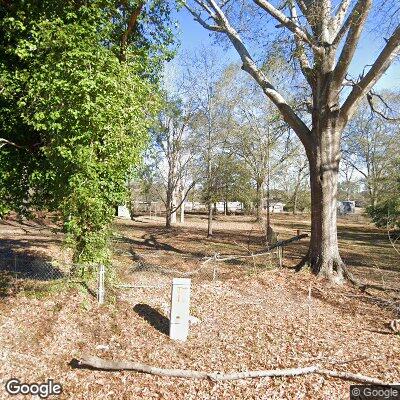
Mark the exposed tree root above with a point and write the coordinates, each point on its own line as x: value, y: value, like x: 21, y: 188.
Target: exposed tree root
x: 109, y: 365
x: 364, y: 286
x: 332, y: 269
x: 303, y: 262
x: 341, y: 269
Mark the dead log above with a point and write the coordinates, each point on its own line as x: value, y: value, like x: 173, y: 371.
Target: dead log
x: 348, y: 376
x: 110, y: 365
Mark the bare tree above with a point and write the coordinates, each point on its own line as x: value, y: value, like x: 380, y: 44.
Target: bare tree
x: 170, y: 138
x: 325, y: 36
x: 201, y: 75
x: 370, y: 146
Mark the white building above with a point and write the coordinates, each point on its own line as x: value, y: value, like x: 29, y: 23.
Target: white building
x: 123, y: 212
x: 274, y: 206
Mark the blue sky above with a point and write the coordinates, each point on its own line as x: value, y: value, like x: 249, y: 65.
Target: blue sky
x: 192, y: 36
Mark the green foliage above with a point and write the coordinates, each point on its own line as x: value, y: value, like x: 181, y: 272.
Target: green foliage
x: 77, y: 115
x: 231, y: 180
x: 386, y: 213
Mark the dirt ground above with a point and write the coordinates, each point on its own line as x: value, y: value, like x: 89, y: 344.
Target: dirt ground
x: 253, y: 315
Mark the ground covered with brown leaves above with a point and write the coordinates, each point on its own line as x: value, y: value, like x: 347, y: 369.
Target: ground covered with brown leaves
x: 252, y: 314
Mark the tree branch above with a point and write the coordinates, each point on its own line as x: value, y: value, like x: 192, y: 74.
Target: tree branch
x: 381, y: 64
x: 289, y: 23
x: 370, y: 96
x: 201, y: 21
x: 184, y: 197
x: 300, y: 50
x: 341, y: 13
x: 131, y: 24
x: 250, y: 67
x: 356, y: 23
x: 110, y: 365
x: 5, y: 142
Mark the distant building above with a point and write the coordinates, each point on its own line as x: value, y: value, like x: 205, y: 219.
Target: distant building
x: 346, y: 207
x: 123, y: 212
x: 274, y: 206
x: 232, y: 206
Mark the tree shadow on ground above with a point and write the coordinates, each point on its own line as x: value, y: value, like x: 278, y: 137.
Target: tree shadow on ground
x: 18, y: 263
x: 153, y: 317
x: 154, y: 244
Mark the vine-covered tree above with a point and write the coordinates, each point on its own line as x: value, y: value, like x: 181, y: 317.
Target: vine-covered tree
x: 78, y: 88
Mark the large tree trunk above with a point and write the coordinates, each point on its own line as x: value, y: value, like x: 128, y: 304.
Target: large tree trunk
x: 324, y: 160
x: 168, y: 221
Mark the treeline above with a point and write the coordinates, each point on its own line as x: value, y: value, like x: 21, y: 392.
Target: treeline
x: 219, y: 140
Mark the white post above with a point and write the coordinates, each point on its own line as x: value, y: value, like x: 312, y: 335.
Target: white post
x: 100, y: 285
x: 179, y: 316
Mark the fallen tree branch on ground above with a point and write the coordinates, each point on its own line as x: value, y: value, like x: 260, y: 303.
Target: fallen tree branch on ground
x: 110, y: 365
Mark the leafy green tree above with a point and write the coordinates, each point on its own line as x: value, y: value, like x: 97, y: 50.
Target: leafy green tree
x: 386, y: 213
x: 76, y: 103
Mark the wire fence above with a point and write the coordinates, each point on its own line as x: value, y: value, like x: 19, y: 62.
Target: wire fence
x: 19, y: 271
x: 20, y: 267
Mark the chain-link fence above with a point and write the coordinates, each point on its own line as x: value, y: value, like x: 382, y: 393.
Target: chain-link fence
x: 25, y: 267
x: 19, y: 271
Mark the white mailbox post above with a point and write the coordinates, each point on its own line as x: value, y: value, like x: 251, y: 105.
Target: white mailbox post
x: 179, y: 316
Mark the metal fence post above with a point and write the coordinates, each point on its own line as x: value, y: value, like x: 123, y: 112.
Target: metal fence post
x: 100, y: 285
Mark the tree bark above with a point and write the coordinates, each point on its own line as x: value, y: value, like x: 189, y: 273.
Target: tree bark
x: 295, y: 197
x: 182, y: 208
x: 173, y: 208
x: 210, y: 217
x: 168, y: 220
x: 259, y: 200
x: 168, y: 208
x: 323, y: 255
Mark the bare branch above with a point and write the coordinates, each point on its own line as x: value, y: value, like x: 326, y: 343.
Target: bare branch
x: 110, y: 365
x: 250, y: 67
x: 4, y: 142
x: 341, y: 13
x: 356, y: 24
x: 300, y: 51
x: 303, y: 6
x: 370, y: 95
x: 184, y: 198
x: 289, y: 23
x: 381, y: 64
x: 201, y: 21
